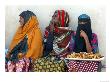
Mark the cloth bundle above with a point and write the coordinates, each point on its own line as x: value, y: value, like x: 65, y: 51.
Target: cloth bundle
x: 48, y: 64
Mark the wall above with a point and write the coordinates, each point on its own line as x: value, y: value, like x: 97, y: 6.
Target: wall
x: 44, y: 13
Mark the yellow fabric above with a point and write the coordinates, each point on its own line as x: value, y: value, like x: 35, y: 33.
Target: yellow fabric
x: 32, y: 30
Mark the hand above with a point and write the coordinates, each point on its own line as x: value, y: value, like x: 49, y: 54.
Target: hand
x: 8, y: 55
x: 51, y: 28
x: 83, y: 34
x: 20, y: 55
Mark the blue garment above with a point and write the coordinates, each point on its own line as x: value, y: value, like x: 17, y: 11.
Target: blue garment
x: 49, y: 44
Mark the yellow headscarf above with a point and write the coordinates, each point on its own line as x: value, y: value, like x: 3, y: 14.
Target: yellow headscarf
x: 33, y: 32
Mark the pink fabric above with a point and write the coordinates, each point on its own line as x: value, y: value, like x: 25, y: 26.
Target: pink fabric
x: 83, y: 66
x: 20, y: 66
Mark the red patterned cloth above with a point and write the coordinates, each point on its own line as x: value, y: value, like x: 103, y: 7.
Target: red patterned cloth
x: 22, y: 65
x: 82, y: 66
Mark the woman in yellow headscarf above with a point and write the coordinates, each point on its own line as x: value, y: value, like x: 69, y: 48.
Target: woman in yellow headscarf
x: 29, y: 28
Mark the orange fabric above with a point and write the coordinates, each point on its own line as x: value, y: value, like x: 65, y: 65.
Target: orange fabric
x: 32, y: 30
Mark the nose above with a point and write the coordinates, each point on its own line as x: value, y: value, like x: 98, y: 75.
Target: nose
x: 19, y: 21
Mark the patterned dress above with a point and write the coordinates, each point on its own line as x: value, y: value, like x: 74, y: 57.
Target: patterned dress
x: 23, y: 65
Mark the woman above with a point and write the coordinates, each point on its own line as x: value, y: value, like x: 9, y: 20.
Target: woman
x: 29, y: 28
x: 57, y: 29
x: 54, y: 48
x: 84, y: 41
x: 83, y: 35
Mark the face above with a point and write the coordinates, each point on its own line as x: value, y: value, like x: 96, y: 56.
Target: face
x: 55, y: 17
x: 21, y: 21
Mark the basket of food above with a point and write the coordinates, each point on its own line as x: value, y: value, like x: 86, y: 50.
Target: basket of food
x: 85, y: 56
x: 84, y: 62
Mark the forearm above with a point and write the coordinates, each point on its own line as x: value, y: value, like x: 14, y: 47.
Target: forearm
x: 88, y: 46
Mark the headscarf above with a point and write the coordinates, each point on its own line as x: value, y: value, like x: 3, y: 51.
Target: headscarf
x: 26, y: 15
x: 60, y: 18
x: 33, y: 32
x: 80, y: 45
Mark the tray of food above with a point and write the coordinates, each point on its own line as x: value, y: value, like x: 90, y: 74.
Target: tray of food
x: 85, y: 56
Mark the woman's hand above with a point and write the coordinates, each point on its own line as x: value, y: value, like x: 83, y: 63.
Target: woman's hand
x: 88, y: 46
x: 20, y: 55
x: 8, y: 55
x: 52, y: 26
x: 83, y: 34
